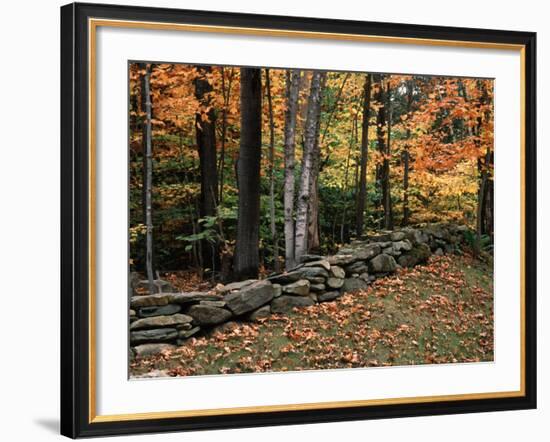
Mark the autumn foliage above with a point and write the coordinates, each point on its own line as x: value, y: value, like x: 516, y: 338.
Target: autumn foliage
x: 428, y: 157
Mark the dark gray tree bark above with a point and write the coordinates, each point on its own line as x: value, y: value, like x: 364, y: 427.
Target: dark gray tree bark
x: 205, y: 125
x: 226, y: 93
x: 246, y: 262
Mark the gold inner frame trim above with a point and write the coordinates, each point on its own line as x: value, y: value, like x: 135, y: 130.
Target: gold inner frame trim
x: 93, y: 24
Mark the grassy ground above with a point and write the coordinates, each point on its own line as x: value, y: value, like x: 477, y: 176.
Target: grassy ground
x: 441, y: 312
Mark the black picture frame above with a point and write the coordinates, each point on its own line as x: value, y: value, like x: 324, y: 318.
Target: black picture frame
x: 75, y: 221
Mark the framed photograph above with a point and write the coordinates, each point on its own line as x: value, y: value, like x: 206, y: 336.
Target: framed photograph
x: 274, y: 220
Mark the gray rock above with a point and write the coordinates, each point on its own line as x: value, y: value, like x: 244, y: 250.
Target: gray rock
x: 339, y: 260
x: 185, y: 334
x: 160, y: 321
x: 296, y: 267
x: 285, y: 278
x: 419, y: 237
x: 440, y: 242
x: 367, y: 252
x: 338, y: 272
x: 132, y: 312
x: 382, y: 244
x: 317, y: 280
x: 438, y: 252
x: 335, y: 283
x: 403, y: 246
x: 194, y: 297
x: 308, y: 258
x: 317, y: 287
x: 300, y: 287
x: 382, y: 263
x: 354, y: 284
x: 206, y: 315
x: 365, y: 277
x: 145, y: 350
x: 437, y: 231
x: 261, y: 313
x: 153, y: 335
x: 151, y: 300
x: 321, y: 263
x: 381, y: 237
x: 349, y: 250
x: 250, y: 298
x: 328, y: 296
x: 391, y: 251
x: 313, y: 297
x: 397, y: 236
x: 278, y: 290
x: 357, y: 267
x: 286, y: 303
x: 186, y: 326
x: 418, y: 255
x: 236, y: 286
x: 220, y: 304
x: 168, y: 309
x: 301, y: 273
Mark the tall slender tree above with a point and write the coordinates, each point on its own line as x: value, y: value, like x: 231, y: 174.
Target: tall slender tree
x: 313, y: 242
x: 226, y: 95
x: 308, y: 162
x: 384, y: 138
x: 148, y: 171
x: 405, y: 155
x: 271, y: 159
x: 246, y: 262
x: 205, y: 121
x: 362, y: 195
x: 292, y: 95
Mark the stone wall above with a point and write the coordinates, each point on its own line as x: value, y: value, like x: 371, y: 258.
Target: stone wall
x: 168, y: 318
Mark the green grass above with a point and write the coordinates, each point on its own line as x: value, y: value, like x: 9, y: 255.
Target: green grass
x: 441, y: 312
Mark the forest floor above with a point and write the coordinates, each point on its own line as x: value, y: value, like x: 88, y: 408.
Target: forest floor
x: 441, y: 312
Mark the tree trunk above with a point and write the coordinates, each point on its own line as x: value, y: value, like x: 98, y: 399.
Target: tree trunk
x: 352, y: 142
x: 406, y: 159
x: 226, y: 92
x: 246, y: 261
x: 308, y: 160
x: 381, y: 142
x: 386, y: 190
x: 406, y: 211
x: 271, y: 158
x: 148, y: 173
x: 362, y: 196
x: 292, y: 91
x: 206, y: 141
x: 314, y: 242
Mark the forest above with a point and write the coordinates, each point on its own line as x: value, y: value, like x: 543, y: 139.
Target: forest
x: 238, y: 172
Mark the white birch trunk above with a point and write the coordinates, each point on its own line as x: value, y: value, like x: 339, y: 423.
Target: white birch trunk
x: 308, y: 162
x: 293, y: 89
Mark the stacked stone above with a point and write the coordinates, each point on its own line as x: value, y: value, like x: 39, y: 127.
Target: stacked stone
x: 160, y: 320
